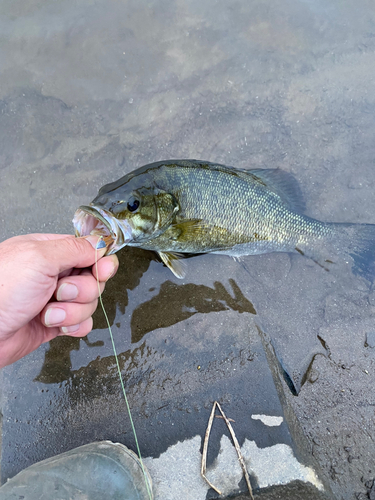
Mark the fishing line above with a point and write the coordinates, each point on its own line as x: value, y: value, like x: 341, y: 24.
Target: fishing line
x: 120, y: 375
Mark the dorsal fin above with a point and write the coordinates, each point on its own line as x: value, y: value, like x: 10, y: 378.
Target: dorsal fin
x: 281, y: 183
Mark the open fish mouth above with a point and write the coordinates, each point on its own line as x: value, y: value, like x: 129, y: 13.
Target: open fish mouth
x: 97, y: 222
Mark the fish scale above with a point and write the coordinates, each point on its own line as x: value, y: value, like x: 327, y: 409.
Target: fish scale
x: 233, y: 211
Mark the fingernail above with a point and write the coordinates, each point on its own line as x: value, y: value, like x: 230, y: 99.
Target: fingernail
x: 69, y: 329
x: 100, y: 244
x: 54, y: 316
x: 67, y: 291
x: 95, y: 242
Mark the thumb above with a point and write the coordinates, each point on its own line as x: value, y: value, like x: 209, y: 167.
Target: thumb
x: 66, y: 253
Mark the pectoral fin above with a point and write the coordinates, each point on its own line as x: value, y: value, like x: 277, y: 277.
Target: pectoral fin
x: 174, y: 263
x: 188, y: 230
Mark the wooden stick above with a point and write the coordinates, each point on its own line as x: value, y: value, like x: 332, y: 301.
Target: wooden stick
x: 205, y: 447
x: 236, y: 445
x: 222, y: 418
x: 238, y: 450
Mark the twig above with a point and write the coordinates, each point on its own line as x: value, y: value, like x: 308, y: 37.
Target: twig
x: 238, y: 450
x: 236, y: 445
x: 222, y: 418
x: 205, y: 446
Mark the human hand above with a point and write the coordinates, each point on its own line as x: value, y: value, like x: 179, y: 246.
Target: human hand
x: 48, y: 289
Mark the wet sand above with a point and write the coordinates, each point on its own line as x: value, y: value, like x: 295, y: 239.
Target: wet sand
x: 90, y: 92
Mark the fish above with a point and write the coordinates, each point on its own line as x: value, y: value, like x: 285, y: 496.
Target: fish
x: 177, y: 208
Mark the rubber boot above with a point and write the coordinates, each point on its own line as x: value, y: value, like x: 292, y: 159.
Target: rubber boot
x: 96, y: 471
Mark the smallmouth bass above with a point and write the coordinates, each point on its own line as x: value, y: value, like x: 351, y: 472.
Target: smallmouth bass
x: 178, y: 207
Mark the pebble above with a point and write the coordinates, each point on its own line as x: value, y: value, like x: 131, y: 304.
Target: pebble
x: 370, y: 339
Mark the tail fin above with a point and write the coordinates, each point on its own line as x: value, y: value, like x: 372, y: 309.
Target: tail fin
x: 351, y: 245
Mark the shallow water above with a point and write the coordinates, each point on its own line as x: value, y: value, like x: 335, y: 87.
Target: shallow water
x: 90, y: 92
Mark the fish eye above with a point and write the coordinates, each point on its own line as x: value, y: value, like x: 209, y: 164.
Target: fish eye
x: 133, y: 205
